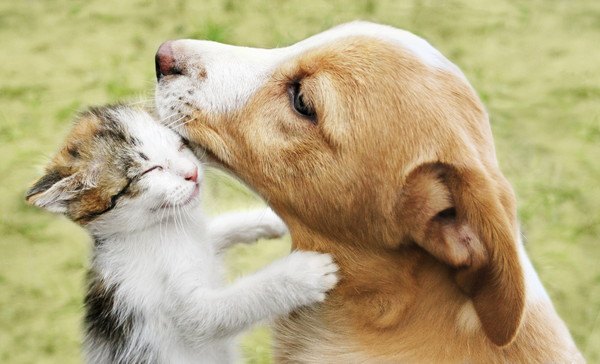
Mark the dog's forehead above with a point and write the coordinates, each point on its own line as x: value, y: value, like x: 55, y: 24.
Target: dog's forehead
x: 406, y: 40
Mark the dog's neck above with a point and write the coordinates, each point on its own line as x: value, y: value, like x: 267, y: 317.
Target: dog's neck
x: 423, y: 296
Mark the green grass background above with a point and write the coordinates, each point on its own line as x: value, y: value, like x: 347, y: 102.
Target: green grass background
x: 535, y: 64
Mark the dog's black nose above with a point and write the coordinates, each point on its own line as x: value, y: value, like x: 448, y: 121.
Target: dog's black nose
x: 165, y: 61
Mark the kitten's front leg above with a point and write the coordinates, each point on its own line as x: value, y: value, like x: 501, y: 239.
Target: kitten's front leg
x: 245, y: 227
x: 300, y: 279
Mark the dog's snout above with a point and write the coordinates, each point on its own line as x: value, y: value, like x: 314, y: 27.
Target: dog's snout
x: 166, y: 64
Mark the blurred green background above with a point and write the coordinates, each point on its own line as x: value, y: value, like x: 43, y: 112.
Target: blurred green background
x: 535, y: 64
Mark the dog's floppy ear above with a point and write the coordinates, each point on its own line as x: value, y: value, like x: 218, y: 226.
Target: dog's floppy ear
x: 465, y: 219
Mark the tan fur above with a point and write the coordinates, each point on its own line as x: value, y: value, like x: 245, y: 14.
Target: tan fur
x: 91, y: 165
x: 396, y: 144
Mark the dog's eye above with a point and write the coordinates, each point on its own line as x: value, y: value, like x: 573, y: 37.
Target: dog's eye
x: 299, y: 103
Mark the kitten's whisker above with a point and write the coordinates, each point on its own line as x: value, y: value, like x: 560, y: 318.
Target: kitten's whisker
x: 170, y: 125
x: 180, y: 223
x: 193, y: 219
x: 183, y: 221
x: 176, y: 220
x: 187, y: 214
x: 185, y: 122
x: 161, y: 222
x: 139, y: 102
x: 172, y: 122
x: 185, y: 232
x: 160, y: 121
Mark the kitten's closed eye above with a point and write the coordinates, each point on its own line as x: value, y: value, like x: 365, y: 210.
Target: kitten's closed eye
x: 160, y: 168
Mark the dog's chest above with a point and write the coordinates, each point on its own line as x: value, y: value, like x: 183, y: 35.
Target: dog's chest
x: 304, y: 337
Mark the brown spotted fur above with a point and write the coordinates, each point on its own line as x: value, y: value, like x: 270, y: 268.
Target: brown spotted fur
x: 95, y: 153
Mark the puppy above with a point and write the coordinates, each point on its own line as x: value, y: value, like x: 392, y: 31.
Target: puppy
x: 373, y: 147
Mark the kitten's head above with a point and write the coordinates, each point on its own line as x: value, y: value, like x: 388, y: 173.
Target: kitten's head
x: 119, y: 168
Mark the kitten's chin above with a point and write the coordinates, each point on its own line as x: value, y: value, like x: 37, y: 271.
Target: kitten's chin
x: 192, y: 201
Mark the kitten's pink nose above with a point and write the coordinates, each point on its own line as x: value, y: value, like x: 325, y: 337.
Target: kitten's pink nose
x: 192, y: 175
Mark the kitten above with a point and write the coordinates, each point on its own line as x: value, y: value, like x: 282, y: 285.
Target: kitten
x: 155, y: 292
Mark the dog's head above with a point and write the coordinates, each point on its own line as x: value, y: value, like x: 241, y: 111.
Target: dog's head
x: 364, y: 134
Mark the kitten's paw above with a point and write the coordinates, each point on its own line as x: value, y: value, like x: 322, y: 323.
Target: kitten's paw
x: 311, y: 275
x: 272, y: 225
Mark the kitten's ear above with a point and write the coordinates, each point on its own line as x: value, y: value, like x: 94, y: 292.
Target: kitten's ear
x: 466, y: 219
x: 53, y: 191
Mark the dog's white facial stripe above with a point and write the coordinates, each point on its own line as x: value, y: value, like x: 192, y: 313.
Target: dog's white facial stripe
x: 233, y: 74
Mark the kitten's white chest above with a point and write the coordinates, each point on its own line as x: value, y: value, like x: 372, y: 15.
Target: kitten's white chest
x: 146, y: 269
x: 152, y: 269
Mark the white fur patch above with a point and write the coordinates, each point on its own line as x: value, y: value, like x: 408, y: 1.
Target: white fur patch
x: 467, y: 318
x: 533, y: 286
x: 233, y: 73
